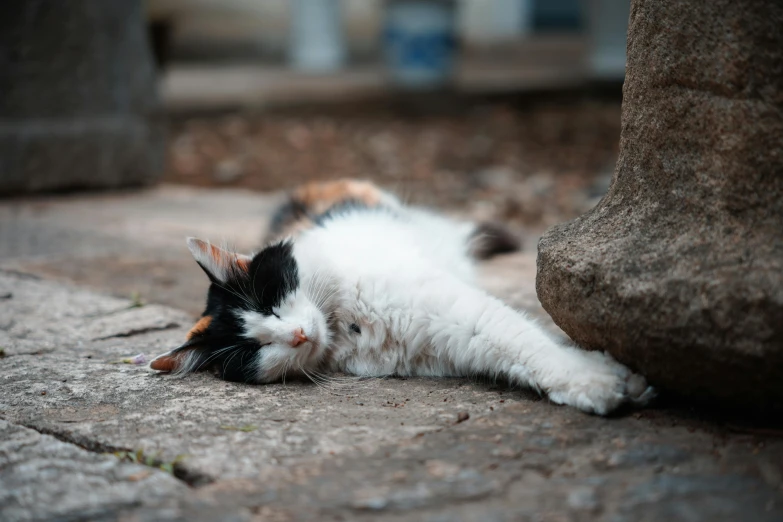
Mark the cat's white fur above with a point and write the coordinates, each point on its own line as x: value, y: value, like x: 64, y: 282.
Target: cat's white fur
x: 405, y: 278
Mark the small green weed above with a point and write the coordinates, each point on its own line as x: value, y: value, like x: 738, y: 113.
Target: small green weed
x: 136, y: 300
x: 152, y: 460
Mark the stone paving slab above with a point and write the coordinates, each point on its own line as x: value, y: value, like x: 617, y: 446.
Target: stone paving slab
x: 388, y: 449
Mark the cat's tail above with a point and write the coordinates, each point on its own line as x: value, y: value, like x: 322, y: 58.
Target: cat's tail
x: 490, y: 238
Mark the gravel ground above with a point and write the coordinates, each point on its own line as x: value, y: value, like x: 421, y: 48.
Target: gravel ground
x: 531, y: 162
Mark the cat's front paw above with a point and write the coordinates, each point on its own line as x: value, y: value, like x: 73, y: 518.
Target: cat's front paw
x: 596, y: 383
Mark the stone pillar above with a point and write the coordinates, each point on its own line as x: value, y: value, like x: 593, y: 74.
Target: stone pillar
x: 78, y: 100
x: 678, y: 271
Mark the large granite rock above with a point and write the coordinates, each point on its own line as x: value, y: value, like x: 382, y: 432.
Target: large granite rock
x: 678, y: 271
x: 78, y: 104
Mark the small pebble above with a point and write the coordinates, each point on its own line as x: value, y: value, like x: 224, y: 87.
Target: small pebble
x: 462, y: 416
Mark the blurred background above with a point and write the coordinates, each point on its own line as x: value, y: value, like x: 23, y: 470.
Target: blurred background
x: 506, y: 109
x: 503, y: 110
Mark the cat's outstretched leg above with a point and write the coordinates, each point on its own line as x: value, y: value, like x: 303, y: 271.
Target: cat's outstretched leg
x: 591, y: 381
x: 479, y: 334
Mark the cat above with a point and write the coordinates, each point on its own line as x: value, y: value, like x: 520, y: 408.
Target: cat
x: 362, y: 284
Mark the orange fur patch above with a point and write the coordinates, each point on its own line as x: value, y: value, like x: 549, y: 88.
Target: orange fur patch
x: 199, y: 327
x: 243, y: 263
x: 315, y: 198
x: 319, y: 197
x: 217, y: 254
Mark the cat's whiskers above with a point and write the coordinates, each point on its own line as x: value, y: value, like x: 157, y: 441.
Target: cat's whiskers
x: 225, y: 363
x: 325, y: 294
x: 315, y: 381
x: 318, y: 380
x: 316, y: 287
x: 318, y: 290
x: 326, y: 298
x: 348, y: 384
x: 211, y: 357
x: 312, y: 290
x: 253, y: 286
x: 286, y: 367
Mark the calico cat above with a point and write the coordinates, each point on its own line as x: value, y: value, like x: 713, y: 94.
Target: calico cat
x: 365, y: 285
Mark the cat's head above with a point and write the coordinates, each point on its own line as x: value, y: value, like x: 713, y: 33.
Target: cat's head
x: 259, y: 322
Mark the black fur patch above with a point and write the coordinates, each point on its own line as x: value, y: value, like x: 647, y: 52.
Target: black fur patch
x: 273, y: 275
x: 348, y: 206
x: 286, y: 215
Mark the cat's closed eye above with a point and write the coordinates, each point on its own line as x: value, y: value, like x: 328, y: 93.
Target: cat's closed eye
x: 355, y: 328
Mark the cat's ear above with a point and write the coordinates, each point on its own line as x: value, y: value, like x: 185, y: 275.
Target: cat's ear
x: 217, y: 262
x: 175, y: 360
x: 182, y: 358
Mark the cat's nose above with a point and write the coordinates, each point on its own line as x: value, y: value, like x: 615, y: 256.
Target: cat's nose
x: 298, y: 338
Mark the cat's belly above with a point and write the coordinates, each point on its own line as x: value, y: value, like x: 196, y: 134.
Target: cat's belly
x: 393, y: 337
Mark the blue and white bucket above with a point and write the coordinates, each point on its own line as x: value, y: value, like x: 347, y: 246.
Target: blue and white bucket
x: 420, y: 42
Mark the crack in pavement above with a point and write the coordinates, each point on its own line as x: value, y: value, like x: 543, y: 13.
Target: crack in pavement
x: 109, y: 313
x: 71, y: 438
x: 179, y: 470
x: 139, y: 331
x: 20, y: 274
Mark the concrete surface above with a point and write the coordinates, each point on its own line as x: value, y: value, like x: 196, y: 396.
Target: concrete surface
x: 73, y: 416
